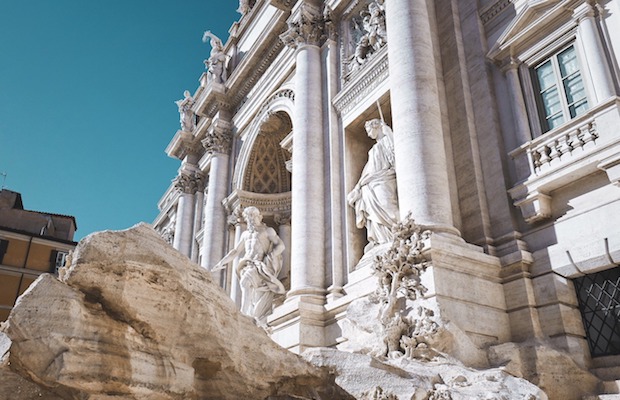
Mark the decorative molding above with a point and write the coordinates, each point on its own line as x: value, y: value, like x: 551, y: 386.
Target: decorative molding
x: 219, y: 138
x: 268, y: 204
x: 189, y: 182
x: 494, y: 10
x: 308, y: 27
x: 370, y: 76
x: 266, y: 59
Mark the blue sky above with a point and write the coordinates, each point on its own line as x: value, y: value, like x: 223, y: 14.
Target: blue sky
x: 87, y: 92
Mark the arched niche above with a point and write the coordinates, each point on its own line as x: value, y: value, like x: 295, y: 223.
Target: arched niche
x: 261, y: 164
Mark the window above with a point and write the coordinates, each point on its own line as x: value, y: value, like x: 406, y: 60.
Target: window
x: 599, y: 303
x: 4, y: 244
x: 561, y: 91
x: 58, y: 260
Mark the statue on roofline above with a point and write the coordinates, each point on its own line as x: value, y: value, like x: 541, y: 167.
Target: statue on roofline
x: 216, y: 63
x: 186, y: 114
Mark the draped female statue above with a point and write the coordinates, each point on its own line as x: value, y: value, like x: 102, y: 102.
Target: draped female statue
x: 374, y: 196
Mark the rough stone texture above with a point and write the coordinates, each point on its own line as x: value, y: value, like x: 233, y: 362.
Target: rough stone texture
x: 361, y: 375
x: 553, y: 371
x: 133, y: 319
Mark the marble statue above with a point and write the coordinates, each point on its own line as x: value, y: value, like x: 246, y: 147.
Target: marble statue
x: 216, y: 63
x: 374, y: 24
x: 373, y: 33
x: 374, y: 196
x: 259, y: 267
x: 244, y: 7
x: 187, y: 116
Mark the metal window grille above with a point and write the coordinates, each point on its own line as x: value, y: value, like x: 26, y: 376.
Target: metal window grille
x: 599, y: 303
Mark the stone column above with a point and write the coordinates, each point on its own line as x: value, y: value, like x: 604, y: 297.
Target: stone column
x: 305, y: 35
x: 236, y: 220
x: 284, y: 231
x: 594, y: 51
x: 519, y: 111
x: 198, y: 219
x: 335, y: 182
x: 217, y: 143
x: 421, y: 167
x: 188, y: 183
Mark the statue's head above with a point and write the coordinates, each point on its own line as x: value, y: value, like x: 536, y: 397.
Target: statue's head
x: 252, y: 216
x: 374, y: 128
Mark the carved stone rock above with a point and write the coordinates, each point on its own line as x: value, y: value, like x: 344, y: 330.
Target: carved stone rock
x: 131, y: 318
x: 362, y: 375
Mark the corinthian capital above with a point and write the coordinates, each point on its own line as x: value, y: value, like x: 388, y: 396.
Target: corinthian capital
x: 308, y: 27
x: 189, y: 182
x: 218, y: 138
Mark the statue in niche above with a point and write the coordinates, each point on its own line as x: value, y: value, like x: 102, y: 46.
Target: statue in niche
x: 187, y: 116
x: 374, y: 196
x: 259, y: 267
x: 216, y: 63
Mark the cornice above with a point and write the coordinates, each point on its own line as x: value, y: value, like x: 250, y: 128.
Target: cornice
x: 495, y: 9
x: 369, y: 77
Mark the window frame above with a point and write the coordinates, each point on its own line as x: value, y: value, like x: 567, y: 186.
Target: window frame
x: 536, y: 56
x: 565, y: 110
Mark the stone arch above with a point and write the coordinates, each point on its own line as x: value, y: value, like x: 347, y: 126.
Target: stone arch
x: 261, y: 165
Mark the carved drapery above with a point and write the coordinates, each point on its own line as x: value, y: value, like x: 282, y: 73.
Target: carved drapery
x: 310, y: 27
x: 189, y: 183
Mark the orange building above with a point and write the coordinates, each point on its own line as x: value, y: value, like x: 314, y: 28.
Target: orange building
x: 31, y: 243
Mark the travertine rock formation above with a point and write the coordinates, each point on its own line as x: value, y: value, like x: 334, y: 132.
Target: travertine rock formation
x: 133, y: 319
x: 367, y: 377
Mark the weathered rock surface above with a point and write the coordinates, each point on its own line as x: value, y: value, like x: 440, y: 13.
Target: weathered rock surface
x: 553, y: 371
x: 133, y: 319
x: 362, y: 375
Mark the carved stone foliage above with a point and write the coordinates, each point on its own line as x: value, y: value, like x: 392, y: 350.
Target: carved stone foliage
x: 189, y: 182
x: 310, y: 26
x: 217, y: 141
x: 399, y: 273
x: 367, y: 34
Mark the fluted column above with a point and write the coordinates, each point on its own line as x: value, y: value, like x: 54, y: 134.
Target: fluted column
x: 236, y: 220
x: 594, y: 51
x: 519, y: 112
x: 188, y: 183
x: 217, y: 143
x: 284, y: 231
x: 421, y: 167
x: 305, y: 35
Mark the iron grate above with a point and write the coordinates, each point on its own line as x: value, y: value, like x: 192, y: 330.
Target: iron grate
x: 599, y: 303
